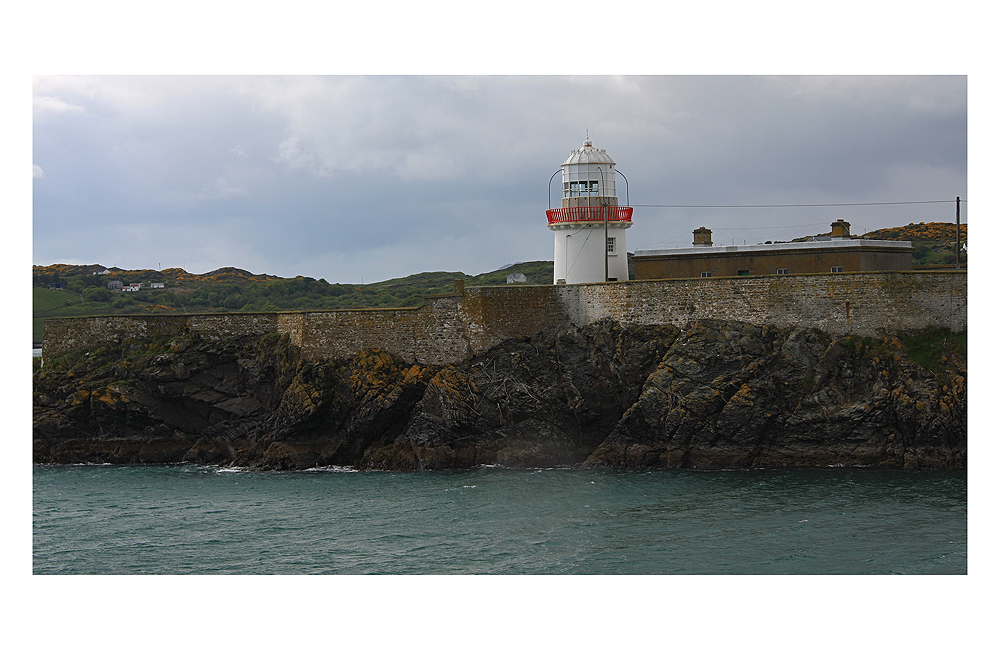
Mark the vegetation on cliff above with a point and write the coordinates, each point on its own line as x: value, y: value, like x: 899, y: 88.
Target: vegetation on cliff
x: 717, y: 394
x: 84, y: 291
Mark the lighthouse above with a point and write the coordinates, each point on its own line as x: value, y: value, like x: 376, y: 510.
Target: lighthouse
x: 590, y: 226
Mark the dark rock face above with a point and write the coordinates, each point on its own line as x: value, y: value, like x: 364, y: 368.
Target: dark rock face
x: 718, y: 395
x: 741, y: 396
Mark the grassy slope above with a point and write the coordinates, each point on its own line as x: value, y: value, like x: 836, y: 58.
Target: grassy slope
x: 444, y: 281
x: 48, y: 303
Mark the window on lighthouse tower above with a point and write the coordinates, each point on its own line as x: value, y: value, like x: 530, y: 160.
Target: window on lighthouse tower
x: 580, y: 188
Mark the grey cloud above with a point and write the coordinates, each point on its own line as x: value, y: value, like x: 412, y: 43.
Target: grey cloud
x: 321, y: 176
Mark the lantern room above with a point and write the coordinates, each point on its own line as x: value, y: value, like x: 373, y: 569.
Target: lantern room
x: 590, y: 226
x: 588, y: 176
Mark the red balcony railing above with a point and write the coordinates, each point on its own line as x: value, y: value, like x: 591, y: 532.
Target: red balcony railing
x: 589, y: 213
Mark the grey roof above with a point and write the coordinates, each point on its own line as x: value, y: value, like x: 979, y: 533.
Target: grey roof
x: 588, y: 154
x: 759, y: 248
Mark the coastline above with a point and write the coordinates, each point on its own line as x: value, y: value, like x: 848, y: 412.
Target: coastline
x: 715, y: 395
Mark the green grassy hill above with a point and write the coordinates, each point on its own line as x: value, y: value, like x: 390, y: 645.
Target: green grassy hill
x: 231, y: 289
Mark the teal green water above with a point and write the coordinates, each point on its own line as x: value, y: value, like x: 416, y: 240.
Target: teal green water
x: 206, y: 520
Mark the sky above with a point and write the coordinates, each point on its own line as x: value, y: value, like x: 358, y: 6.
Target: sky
x: 357, y: 178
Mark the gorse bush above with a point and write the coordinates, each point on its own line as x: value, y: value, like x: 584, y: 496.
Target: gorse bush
x: 937, y: 231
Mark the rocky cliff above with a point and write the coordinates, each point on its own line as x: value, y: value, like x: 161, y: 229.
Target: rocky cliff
x: 715, y: 395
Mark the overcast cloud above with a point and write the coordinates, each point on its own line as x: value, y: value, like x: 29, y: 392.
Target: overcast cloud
x: 349, y: 178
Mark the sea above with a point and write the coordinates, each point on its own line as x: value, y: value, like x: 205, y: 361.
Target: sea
x: 192, y: 519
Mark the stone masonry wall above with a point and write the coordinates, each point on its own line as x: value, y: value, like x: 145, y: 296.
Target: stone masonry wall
x: 450, y: 328
x: 493, y: 314
x: 66, y: 334
x: 843, y: 303
x: 434, y: 333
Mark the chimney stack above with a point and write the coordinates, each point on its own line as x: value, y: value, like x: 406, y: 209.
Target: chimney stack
x: 841, y: 229
x: 703, y: 237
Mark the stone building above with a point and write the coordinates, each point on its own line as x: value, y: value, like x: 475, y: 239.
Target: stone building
x: 836, y: 253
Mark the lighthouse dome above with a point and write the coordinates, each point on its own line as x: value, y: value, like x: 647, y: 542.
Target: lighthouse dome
x: 588, y: 155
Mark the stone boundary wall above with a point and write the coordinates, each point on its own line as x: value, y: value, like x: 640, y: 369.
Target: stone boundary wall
x: 450, y: 328
x: 863, y: 303
x: 66, y: 334
x: 493, y: 314
x: 433, y: 333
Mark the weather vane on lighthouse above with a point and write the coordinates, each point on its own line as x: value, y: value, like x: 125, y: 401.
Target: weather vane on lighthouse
x: 590, y: 226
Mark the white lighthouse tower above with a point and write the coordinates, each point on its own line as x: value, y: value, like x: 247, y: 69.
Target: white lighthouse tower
x: 590, y: 226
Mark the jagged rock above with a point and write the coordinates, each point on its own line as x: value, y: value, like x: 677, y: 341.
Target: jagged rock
x: 718, y: 395
x: 779, y: 399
